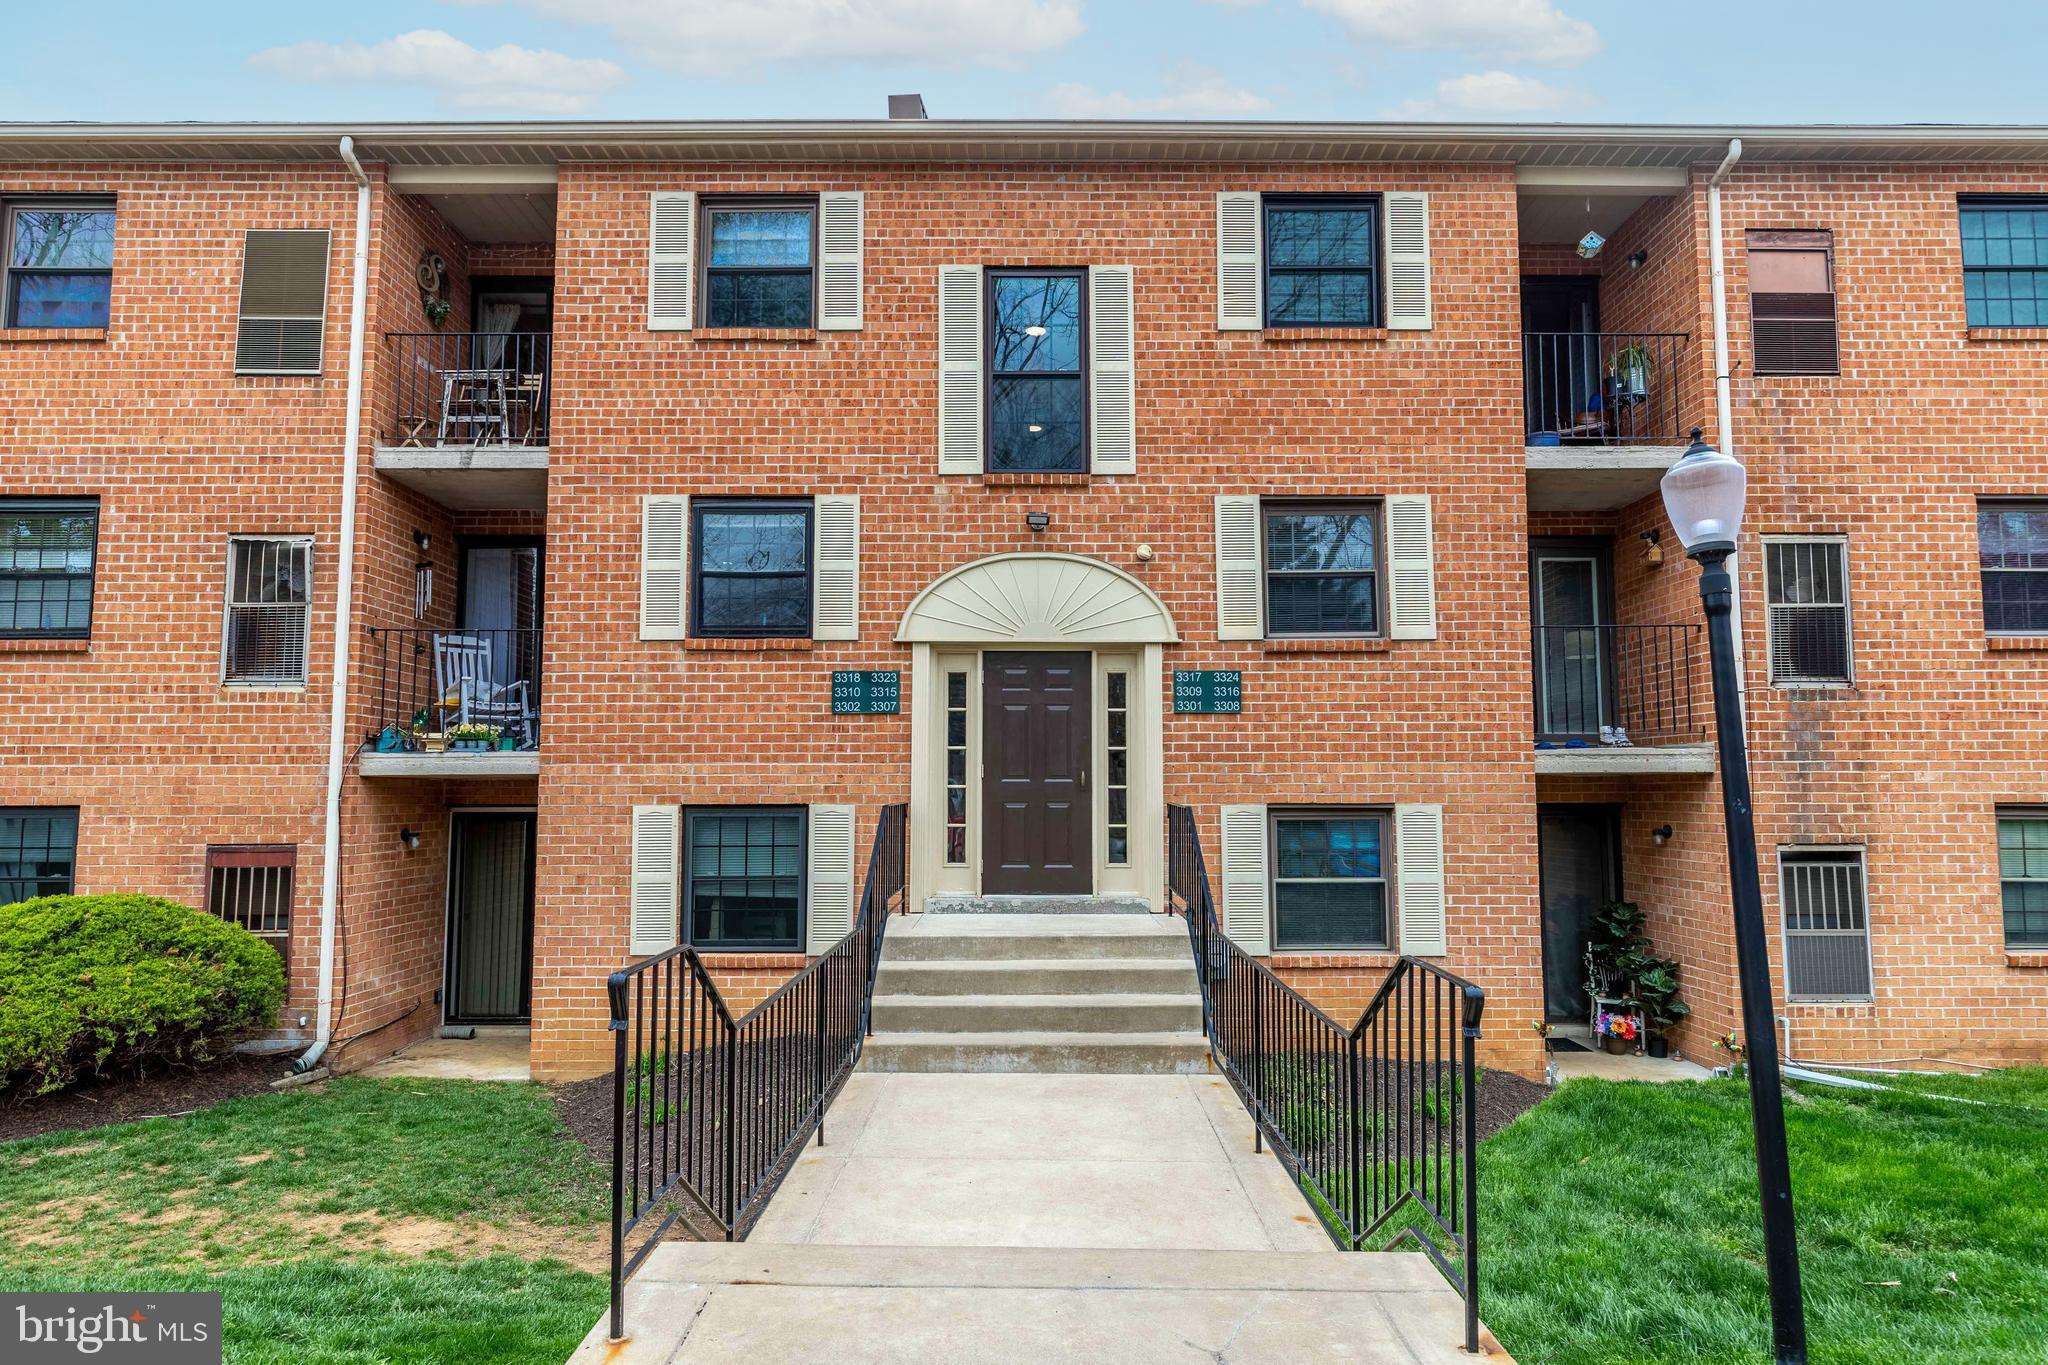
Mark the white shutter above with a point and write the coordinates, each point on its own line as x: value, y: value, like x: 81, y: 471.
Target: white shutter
x: 960, y: 369
x: 1411, y: 568
x: 671, y: 261
x: 664, y: 568
x: 839, y: 260
x: 657, y: 846
x: 1240, y: 589
x: 1408, y: 261
x: 1239, y: 278
x: 829, y: 897
x: 1112, y: 393
x: 835, y: 569
x: 1246, y: 918
x: 1419, y: 864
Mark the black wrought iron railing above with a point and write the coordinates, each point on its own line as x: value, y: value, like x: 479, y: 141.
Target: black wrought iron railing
x: 439, y: 689
x: 714, y: 1109
x: 1376, y: 1122
x: 1604, y: 388
x: 1619, y: 684
x: 470, y: 388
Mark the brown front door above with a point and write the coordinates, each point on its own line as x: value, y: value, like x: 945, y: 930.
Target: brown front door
x: 1035, y: 783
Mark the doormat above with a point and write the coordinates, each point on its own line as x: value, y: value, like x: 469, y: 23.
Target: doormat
x: 1567, y: 1045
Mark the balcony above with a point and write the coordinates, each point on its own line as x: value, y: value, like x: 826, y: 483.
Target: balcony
x: 1621, y: 699
x: 1606, y: 414
x: 430, y: 682
x: 468, y: 422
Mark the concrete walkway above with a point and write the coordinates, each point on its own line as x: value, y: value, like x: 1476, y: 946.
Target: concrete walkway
x: 1034, y: 1218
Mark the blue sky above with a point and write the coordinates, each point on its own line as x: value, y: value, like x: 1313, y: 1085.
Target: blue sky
x: 1600, y: 60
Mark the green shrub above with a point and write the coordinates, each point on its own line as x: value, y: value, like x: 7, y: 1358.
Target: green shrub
x: 96, y: 984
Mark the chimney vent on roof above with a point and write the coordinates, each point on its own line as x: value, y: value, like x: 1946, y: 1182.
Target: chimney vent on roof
x: 907, y: 106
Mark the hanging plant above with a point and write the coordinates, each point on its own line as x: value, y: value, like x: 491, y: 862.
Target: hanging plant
x: 432, y: 277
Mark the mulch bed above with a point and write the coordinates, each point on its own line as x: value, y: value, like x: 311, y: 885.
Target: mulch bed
x: 175, y: 1092
x: 585, y: 1108
x: 1503, y: 1098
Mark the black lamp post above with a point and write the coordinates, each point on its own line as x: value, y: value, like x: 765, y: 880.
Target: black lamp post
x: 1703, y: 495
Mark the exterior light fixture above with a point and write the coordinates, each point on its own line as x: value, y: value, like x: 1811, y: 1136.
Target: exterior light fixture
x: 1034, y: 428
x: 1038, y: 521
x: 1661, y: 835
x: 1653, y: 549
x: 410, y: 838
x: 1703, y: 496
x: 1144, y: 553
x: 1638, y: 260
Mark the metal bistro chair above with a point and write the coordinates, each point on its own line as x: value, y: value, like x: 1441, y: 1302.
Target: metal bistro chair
x: 468, y: 687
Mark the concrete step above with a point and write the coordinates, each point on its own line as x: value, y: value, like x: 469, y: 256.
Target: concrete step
x: 774, y: 1304
x: 1037, y: 1013
x: 1134, y: 1054
x: 1040, y: 976
x: 996, y: 938
x: 955, y: 904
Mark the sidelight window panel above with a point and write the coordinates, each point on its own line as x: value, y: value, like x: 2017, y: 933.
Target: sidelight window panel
x: 743, y: 870
x: 1329, y: 880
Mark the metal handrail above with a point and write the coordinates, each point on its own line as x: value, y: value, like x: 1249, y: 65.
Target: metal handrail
x: 470, y: 389
x: 1606, y: 388
x: 713, y: 1107
x: 1638, y: 680
x: 1375, y: 1121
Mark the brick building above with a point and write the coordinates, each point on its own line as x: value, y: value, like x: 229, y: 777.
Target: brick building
x: 671, y: 437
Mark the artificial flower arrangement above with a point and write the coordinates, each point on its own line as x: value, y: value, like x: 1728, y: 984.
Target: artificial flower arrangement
x: 1737, y: 1050
x: 1616, y: 1025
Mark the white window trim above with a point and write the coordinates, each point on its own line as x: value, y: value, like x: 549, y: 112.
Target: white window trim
x: 1848, y: 614
x: 227, y: 614
x: 1869, y: 926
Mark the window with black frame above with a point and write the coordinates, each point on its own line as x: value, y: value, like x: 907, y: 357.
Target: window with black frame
x: 2005, y: 262
x: 59, y: 264
x: 743, y: 870
x: 1037, y: 371
x: 1322, y: 568
x: 1329, y: 879
x: 38, y: 851
x: 759, y: 262
x: 2012, y: 559
x: 1322, y: 261
x: 752, y: 569
x: 48, y: 553
x: 2023, y: 877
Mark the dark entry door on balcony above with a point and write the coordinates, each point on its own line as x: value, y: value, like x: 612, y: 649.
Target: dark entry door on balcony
x: 1576, y: 865
x: 1568, y: 584
x: 1035, y: 774
x: 490, y: 917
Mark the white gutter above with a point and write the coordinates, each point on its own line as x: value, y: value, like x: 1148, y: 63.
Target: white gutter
x: 1724, y: 402
x: 344, y: 615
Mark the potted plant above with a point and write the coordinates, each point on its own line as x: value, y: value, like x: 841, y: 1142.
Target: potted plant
x: 1656, y: 995
x: 508, y: 743
x: 1618, y: 1031
x: 1631, y: 370
x: 471, y: 737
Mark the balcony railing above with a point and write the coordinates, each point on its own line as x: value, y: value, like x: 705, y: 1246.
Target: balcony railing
x: 1604, y: 388
x: 429, y: 682
x: 470, y: 389
x: 1619, y: 685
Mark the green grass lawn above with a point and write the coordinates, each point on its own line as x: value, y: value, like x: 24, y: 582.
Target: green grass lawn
x: 1620, y: 1224
x: 359, y: 1221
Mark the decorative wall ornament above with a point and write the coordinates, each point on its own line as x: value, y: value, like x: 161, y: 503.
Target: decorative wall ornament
x: 432, y: 277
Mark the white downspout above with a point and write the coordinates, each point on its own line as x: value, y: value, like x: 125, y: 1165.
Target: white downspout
x: 344, y: 616
x: 1724, y: 401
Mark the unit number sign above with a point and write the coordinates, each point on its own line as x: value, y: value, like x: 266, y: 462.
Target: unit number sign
x: 865, y: 692
x: 1211, y: 691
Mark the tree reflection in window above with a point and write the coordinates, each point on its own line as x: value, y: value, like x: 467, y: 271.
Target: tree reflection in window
x: 1037, y: 390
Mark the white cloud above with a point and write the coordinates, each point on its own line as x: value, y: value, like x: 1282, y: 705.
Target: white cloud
x: 1492, y: 95
x: 522, y: 79
x: 739, y: 37
x: 1500, y: 30
x: 1186, y: 92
